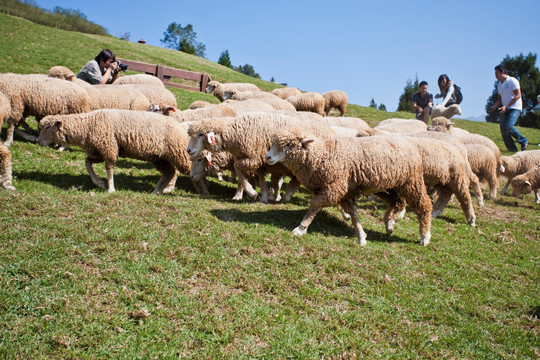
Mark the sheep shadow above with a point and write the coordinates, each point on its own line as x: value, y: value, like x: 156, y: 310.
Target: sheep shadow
x: 324, y: 223
x: 144, y: 183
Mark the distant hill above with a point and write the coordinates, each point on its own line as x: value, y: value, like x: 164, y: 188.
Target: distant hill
x: 481, y: 118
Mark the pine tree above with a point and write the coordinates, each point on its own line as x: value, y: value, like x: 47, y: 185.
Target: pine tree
x: 405, y: 100
x: 382, y: 107
x: 372, y: 103
x: 225, y: 59
x: 183, y: 39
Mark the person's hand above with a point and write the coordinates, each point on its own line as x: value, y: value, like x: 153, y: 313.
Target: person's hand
x: 113, y: 66
x: 502, y: 109
x: 437, y: 96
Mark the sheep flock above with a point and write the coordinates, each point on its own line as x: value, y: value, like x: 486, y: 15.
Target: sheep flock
x: 255, y: 134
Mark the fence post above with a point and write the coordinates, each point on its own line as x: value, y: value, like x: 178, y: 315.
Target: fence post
x: 159, y: 73
x: 204, y: 82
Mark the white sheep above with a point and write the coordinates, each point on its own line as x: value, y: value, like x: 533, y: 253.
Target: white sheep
x: 286, y: 92
x: 197, y: 104
x: 246, y: 95
x: 39, y: 96
x: 337, y: 171
x: 402, y: 126
x: 199, y: 114
x: 276, y: 103
x: 139, y: 79
x: 5, y: 109
x: 126, y: 97
x: 247, y: 138
x: 218, y: 89
x: 310, y: 101
x: 157, y: 95
x: 484, y: 165
x: 446, y: 112
x: 527, y: 182
x: 335, y: 99
x: 517, y: 164
x: 5, y: 168
x: 105, y: 135
x: 241, y: 107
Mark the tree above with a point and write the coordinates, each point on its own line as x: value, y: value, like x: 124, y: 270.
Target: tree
x: 126, y: 36
x: 225, y: 59
x: 382, y: 107
x: 524, y: 69
x: 372, y: 103
x: 183, y: 39
x: 247, y: 70
x: 405, y: 100
x: 272, y: 80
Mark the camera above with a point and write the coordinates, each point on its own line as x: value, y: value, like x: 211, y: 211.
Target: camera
x: 121, y: 66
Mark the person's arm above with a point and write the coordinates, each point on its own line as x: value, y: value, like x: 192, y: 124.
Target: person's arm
x: 517, y: 96
x: 448, y: 95
x: 496, y: 103
x: 109, y: 72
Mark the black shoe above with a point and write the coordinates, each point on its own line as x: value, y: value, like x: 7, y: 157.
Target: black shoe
x: 524, y: 146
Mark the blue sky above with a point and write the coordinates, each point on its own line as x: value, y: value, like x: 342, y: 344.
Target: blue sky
x: 366, y: 48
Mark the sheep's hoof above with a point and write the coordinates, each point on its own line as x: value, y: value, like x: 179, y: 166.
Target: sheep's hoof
x: 111, y: 190
x: 425, y: 239
x: 237, y: 197
x: 299, y: 231
x: 346, y: 216
x: 9, y: 187
x: 480, y: 202
x: 401, y: 214
x: 390, y: 226
x: 362, y: 239
x: 436, y: 213
x: 472, y: 222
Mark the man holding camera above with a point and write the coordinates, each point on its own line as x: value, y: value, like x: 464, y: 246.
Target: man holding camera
x: 103, y: 69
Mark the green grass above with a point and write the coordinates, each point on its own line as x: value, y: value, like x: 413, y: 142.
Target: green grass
x: 225, y: 279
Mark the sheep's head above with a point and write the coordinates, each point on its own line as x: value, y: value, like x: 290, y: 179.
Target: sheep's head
x: 61, y: 72
x: 202, y: 135
x: 50, y: 129
x: 441, y: 124
x: 211, y: 86
x: 284, y: 141
x: 200, y: 164
x: 228, y: 94
x: 520, y: 185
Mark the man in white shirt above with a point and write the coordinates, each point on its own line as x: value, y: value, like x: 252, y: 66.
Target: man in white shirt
x: 510, y: 98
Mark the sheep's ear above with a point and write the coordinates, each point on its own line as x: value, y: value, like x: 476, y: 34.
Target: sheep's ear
x: 59, y: 124
x: 306, y: 141
x: 528, y: 183
x: 71, y: 77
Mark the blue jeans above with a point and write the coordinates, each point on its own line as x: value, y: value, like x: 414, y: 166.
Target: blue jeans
x: 506, y: 123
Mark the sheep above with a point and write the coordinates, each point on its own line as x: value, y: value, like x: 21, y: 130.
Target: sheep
x: 199, y: 114
x: 139, y: 79
x: 401, y: 126
x: 446, y: 112
x: 276, y: 103
x: 337, y: 171
x: 335, y: 99
x: 241, y: 107
x: 5, y: 168
x: 286, y: 92
x: 442, y: 124
x: 517, y: 164
x: 39, y: 96
x: 310, y: 101
x: 247, y: 138
x: 199, y: 104
x: 348, y: 122
x: 5, y: 109
x: 116, y: 96
x: 527, y: 182
x: 106, y: 134
x: 218, y: 89
x: 484, y: 165
x: 245, y: 95
x: 157, y: 95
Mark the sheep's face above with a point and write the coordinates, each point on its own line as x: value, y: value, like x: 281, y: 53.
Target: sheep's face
x: 199, y: 166
x: 521, y: 186
x: 228, y: 94
x: 276, y: 154
x: 281, y: 148
x: 210, y: 86
x: 50, y: 130
x: 200, y: 140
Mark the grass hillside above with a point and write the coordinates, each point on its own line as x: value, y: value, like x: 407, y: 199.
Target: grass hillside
x: 85, y: 274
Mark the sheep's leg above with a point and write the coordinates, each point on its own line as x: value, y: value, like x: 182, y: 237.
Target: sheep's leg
x: 395, y: 208
x: 109, y: 167
x: 536, y: 196
x: 277, y: 182
x: 201, y: 186
x: 477, y: 190
x: 416, y: 196
x: 493, y: 183
x: 168, y: 177
x: 308, y: 218
x: 5, y: 169
x: 348, y: 206
x: 443, y: 197
x: 243, y: 183
x: 25, y: 136
x: 292, y: 187
x: 464, y: 197
x: 503, y: 191
x: 345, y: 215
x: 95, y: 179
x: 263, y: 187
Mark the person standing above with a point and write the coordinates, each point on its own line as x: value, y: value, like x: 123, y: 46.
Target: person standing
x: 510, y: 98
x: 422, y: 102
x: 101, y: 70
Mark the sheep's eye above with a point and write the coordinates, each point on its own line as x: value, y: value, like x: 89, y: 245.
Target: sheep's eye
x: 201, y: 134
x: 199, y: 160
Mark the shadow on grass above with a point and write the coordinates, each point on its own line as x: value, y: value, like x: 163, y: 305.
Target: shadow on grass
x: 324, y: 222
x: 144, y: 183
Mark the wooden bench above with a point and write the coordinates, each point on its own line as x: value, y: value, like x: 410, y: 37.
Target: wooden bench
x: 165, y: 74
